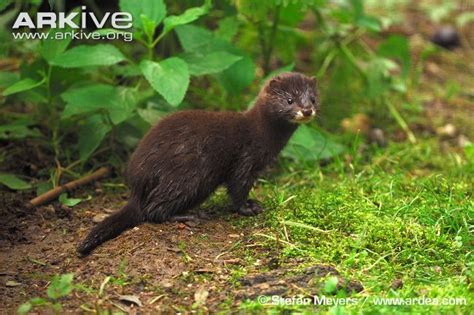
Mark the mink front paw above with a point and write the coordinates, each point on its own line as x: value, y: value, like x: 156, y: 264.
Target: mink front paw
x: 251, y: 208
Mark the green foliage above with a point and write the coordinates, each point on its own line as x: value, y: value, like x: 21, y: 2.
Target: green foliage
x: 13, y: 182
x: 169, y: 77
x: 88, y: 56
x: 308, y: 144
x: 89, y: 98
x: 67, y: 89
x: 60, y: 287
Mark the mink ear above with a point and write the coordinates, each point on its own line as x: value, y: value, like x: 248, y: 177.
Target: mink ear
x: 274, y: 81
x: 313, y: 79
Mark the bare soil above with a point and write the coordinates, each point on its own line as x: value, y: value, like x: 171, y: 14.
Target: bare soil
x: 168, y: 267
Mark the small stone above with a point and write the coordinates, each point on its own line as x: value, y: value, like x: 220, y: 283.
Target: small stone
x: 377, y: 136
x: 166, y: 284
x: 397, y: 284
x: 99, y: 218
x: 446, y: 37
x: 448, y: 130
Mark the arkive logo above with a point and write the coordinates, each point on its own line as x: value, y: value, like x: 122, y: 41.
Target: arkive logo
x: 118, y: 20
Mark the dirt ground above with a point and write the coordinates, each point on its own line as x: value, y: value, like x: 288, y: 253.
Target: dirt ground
x: 168, y: 267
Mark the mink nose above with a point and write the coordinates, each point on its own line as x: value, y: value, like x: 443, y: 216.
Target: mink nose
x: 307, y: 112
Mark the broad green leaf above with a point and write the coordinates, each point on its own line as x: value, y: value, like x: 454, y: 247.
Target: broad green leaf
x: 238, y: 76
x: 22, y: 85
x: 308, y: 144
x: 24, y: 308
x: 192, y: 37
x: 18, y: 129
x: 86, y: 56
x: 397, y: 47
x: 188, y: 16
x: 13, y: 182
x: 378, y: 76
x: 228, y: 28
x: 70, y: 202
x: 369, y: 22
x: 98, y: 97
x: 8, y: 78
x: 148, y: 26
x: 60, y: 286
x: 154, y: 10
x: 91, y: 135
x: 4, y: 4
x: 150, y: 115
x: 169, y: 77
x: 56, y: 42
x: 214, y: 62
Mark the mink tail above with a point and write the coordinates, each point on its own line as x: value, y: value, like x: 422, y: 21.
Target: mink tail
x: 126, y: 218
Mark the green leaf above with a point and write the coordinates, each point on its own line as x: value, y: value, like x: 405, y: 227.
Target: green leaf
x: 378, y: 76
x: 397, y: 47
x: 8, y: 78
x: 55, y: 44
x: 60, y: 286
x: 188, y: 16
x: 154, y: 10
x: 22, y: 85
x: 150, y: 115
x: 198, y: 40
x: 369, y: 22
x: 214, y: 62
x: 37, y: 301
x: 13, y: 182
x: 91, y: 135
x: 308, y: 144
x: 18, y: 129
x: 192, y: 37
x: 238, y: 76
x: 169, y: 77
x: 87, y: 56
x: 228, y: 28
x: 330, y: 285
x: 464, y: 18
x: 70, y: 202
x: 98, y: 97
x: 24, y: 308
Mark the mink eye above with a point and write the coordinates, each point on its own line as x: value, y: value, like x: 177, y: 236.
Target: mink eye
x: 313, y: 100
x: 290, y: 100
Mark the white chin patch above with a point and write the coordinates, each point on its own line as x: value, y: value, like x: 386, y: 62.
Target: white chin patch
x: 301, y: 119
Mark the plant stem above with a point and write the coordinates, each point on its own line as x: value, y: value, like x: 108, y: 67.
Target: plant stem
x: 271, y: 41
x: 401, y: 122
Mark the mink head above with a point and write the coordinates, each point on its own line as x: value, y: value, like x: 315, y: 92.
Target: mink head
x: 292, y: 97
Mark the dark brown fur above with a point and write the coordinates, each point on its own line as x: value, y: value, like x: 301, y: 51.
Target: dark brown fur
x: 187, y: 155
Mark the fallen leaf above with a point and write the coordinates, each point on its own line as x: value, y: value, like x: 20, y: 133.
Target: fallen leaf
x: 131, y: 299
x: 200, y: 296
x: 99, y: 218
x: 12, y: 283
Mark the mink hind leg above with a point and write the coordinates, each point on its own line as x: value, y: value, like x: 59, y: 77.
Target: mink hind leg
x: 173, y: 207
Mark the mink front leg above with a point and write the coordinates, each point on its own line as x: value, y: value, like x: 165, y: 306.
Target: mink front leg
x: 238, y: 188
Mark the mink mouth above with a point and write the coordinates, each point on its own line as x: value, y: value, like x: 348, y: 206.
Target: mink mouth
x: 299, y: 118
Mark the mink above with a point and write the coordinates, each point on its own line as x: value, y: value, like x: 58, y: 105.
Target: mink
x: 188, y: 154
